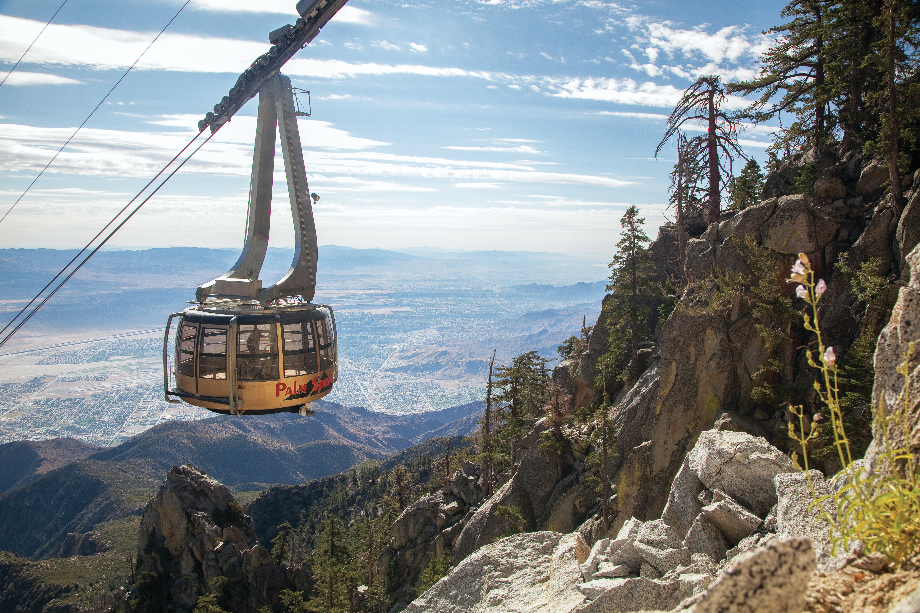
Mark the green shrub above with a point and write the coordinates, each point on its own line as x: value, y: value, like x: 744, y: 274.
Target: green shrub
x: 434, y: 571
x: 512, y: 521
x: 805, y: 179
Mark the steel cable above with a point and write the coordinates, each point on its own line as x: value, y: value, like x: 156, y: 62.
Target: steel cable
x: 93, y: 112
x: 80, y: 265
x: 29, y: 48
x: 98, y: 234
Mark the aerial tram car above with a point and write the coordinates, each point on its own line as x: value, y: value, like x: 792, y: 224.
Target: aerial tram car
x: 244, y: 349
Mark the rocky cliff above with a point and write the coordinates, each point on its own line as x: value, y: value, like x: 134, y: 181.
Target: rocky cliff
x: 710, y: 516
x: 687, y: 386
x: 193, y: 532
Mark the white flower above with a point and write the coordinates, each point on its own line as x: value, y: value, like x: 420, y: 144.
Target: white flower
x: 829, y: 358
x: 801, y: 292
x: 799, y: 268
x: 821, y: 287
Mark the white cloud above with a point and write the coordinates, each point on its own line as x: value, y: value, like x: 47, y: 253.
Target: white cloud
x: 351, y: 14
x: 730, y: 52
x: 622, y: 91
x: 388, y: 46
x: 517, y: 140
x: 347, y: 14
x: 284, y: 7
x: 101, y: 48
x: 625, y: 91
x: 78, y: 45
x: 36, y: 78
x: 752, y: 143
x: 520, y: 149
x: 351, y: 184
x: 727, y: 44
x: 557, y: 201
x: 329, y: 152
x: 336, y: 69
x: 652, y: 116
x: 418, y: 47
x: 478, y: 185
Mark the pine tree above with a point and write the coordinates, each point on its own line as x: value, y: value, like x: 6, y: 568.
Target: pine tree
x: 520, y: 392
x: 793, y: 77
x: 485, y: 436
x: 632, y: 281
x: 281, y: 543
x: 850, y: 36
x: 702, y: 103
x: 331, y: 570
x: 686, y: 190
x: 896, y: 57
x: 748, y: 186
x: 556, y: 409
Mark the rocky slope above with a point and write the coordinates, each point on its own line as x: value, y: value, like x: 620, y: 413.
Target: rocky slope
x: 687, y: 386
x: 25, y: 461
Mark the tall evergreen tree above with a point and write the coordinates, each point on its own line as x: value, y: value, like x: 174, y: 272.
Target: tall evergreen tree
x: 686, y: 190
x: 896, y: 56
x: 331, y: 570
x: 632, y: 281
x: 849, y: 76
x: 793, y: 77
x: 520, y: 392
x: 485, y: 435
x: 748, y: 186
x: 702, y: 103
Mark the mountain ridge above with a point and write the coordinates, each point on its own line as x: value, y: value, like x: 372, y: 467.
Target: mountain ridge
x: 255, y: 451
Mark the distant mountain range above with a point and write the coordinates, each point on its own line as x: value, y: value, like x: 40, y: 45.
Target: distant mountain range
x: 138, y: 289
x: 52, y: 488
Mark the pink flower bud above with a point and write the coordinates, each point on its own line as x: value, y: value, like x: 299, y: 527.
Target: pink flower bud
x: 829, y: 358
x: 799, y: 268
x: 804, y: 259
x: 821, y: 287
x: 801, y: 292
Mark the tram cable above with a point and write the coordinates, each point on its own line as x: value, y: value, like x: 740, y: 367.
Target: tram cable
x: 98, y: 234
x: 93, y: 112
x: 108, y: 236
x: 29, y: 48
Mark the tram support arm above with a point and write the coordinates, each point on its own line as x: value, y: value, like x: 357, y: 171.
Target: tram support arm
x: 315, y: 15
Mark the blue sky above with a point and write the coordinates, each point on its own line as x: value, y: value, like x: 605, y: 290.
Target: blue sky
x: 507, y: 124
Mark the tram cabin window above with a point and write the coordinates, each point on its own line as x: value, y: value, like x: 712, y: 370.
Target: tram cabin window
x: 326, y: 346
x: 185, y: 340
x: 299, y: 349
x: 257, y: 352
x: 212, y: 355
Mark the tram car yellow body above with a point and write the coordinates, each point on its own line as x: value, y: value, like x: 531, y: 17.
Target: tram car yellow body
x: 263, y: 362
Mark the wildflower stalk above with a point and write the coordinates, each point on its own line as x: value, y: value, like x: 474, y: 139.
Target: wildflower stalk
x: 880, y: 508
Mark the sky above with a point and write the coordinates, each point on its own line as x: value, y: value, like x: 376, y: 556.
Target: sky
x: 526, y: 125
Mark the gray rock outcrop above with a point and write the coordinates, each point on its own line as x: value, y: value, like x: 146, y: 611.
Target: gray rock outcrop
x: 535, y: 572
x: 193, y: 531
x: 771, y: 579
x: 740, y: 465
x: 893, y: 345
x: 796, y: 516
